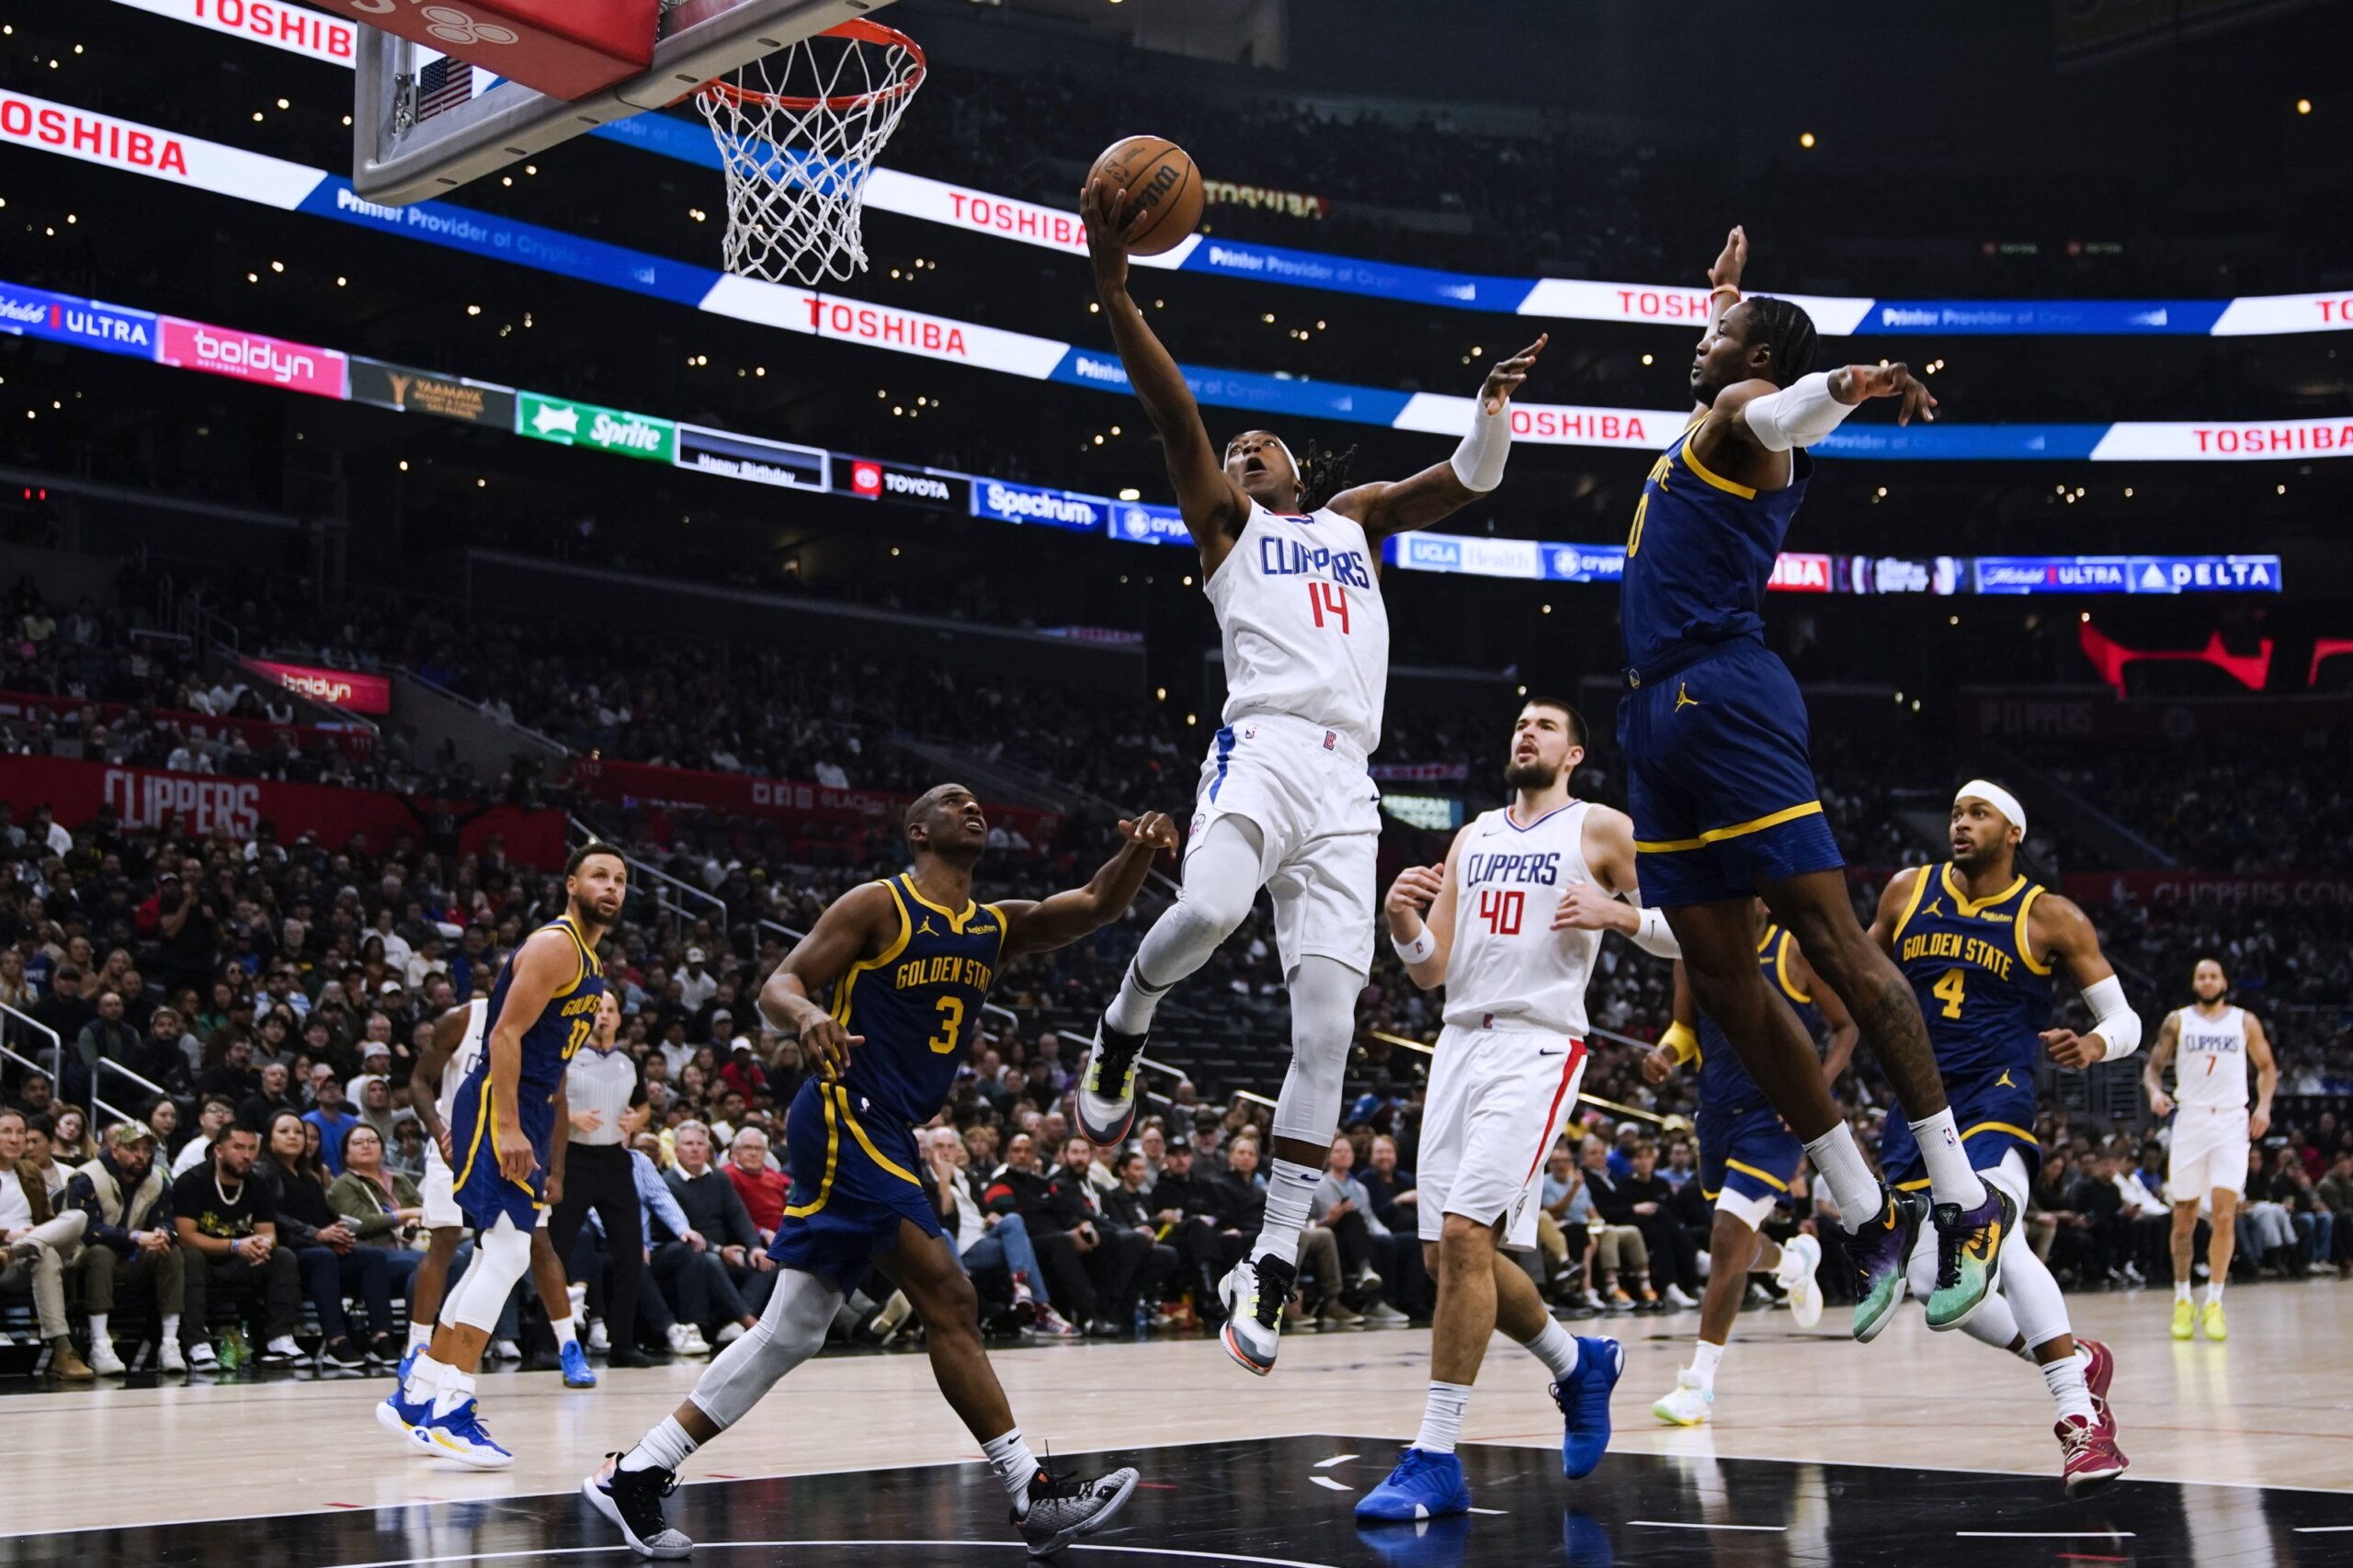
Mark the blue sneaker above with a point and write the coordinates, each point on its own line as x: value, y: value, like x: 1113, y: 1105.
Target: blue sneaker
x: 400, y: 1417
x: 1423, y: 1486
x: 408, y: 1364
x: 460, y: 1434
x: 578, y: 1373
x: 1584, y: 1404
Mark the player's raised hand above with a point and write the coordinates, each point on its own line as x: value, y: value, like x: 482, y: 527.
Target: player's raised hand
x: 1505, y: 378
x: 1102, y: 207
x: 830, y: 1044
x: 1414, y: 891
x: 1154, y: 829
x: 1658, y: 1065
x: 1586, y: 906
x: 1732, y: 262
x: 1894, y: 379
x: 2070, y: 1050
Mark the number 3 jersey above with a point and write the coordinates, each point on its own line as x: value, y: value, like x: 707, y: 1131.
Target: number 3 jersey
x: 1984, y: 997
x: 917, y: 1001
x: 1507, y: 965
x: 1306, y: 634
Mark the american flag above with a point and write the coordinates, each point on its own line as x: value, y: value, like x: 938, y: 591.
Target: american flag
x: 443, y: 85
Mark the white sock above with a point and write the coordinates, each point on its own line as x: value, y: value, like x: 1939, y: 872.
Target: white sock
x: 425, y: 1378
x: 2064, y: 1379
x: 2213, y: 1290
x: 2181, y: 1289
x: 168, y: 1332
x: 1704, y: 1359
x: 1130, y: 1010
x: 420, y: 1334
x: 667, y: 1446
x: 1009, y: 1457
x: 1290, y: 1191
x: 1852, y: 1186
x: 1557, y: 1349
x: 1950, y: 1177
x: 1442, y: 1416
x: 567, y: 1330
x: 455, y: 1388
x: 98, y: 1329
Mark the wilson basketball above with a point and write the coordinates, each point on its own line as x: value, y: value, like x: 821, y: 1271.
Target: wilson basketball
x: 1161, y: 183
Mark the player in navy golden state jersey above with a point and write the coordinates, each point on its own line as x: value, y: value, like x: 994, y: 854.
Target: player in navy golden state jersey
x: 1721, y: 790
x: 1978, y: 941
x: 910, y: 961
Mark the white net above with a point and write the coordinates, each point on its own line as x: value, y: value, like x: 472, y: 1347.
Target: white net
x: 799, y: 131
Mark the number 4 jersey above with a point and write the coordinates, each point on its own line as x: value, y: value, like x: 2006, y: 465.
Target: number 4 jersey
x: 1506, y: 962
x: 1306, y: 634
x: 918, y: 1003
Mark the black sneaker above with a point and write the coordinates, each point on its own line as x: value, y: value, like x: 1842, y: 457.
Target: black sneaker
x: 1056, y: 1511
x: 632, y: 1499
x: 342, y: 1352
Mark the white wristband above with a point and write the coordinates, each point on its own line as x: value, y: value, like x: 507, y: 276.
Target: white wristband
x: 1418, y: 951
x: 1479, y: 461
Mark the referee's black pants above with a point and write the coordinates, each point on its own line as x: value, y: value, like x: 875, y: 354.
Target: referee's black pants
x: 598, y: 1176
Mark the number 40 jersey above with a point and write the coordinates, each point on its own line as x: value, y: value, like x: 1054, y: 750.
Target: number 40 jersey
x: 1506, y: 961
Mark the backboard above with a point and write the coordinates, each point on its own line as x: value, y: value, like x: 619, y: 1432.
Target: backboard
x: 421, y: 127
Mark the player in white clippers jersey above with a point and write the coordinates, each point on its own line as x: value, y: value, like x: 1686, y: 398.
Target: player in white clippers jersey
x: 2209, y: 1044
x: 450, y: 1056
x: 1290, y: 563
x: 1515, y: 917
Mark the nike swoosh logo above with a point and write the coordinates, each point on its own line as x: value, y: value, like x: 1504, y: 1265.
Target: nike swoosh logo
x: 1562, y: 1051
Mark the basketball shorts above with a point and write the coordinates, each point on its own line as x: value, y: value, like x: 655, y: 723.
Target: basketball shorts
x: 1318, y: 815
x: 1497, y: 1100
x: 1719, y: 782
x: 1995, y: 1115
x: 2209, y: 1145
x: 1747, y: 1159
x: 483, y: 1191
x: 853, y: 1181
x: 441, y: 1197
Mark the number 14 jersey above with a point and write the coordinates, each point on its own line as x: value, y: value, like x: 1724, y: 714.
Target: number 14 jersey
x: 1306, y: 634
x: 1507, y: 964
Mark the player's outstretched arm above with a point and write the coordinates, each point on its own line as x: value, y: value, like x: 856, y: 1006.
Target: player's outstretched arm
x: 1476, y: 467
x: 1213, y: 505
x: 2058, y: 929
x: 862, y: 921
x: 1041, y: 925
x: 2267, y: 1076
x: 550, y: 961
x: 1420, y: 912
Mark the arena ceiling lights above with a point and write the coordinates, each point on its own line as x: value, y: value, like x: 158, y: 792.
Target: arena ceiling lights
x: 195, y: 164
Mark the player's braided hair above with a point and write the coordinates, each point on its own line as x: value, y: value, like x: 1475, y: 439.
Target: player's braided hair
x: 1789, y: 337
x: 1323, y: 473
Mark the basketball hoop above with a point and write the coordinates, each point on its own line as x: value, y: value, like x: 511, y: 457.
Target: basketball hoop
x: 797, y: 133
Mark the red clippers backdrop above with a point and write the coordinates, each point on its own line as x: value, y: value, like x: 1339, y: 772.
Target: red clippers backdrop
x: 569, y: 48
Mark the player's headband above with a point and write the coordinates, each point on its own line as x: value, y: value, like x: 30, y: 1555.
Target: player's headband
x: 1993, y: 795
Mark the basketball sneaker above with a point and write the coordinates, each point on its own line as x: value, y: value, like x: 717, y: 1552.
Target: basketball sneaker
x: 401, y: 1416
x: 1877, y: 1252
x: 1423, y: 1486
x: 1107, y: 1095
x: 2209, y: 1319
x: 407, y: 1365
x: 1055, y: 1512
x: 632, y: 1499
x: 1968, y: 1256
x: 2184, y: 1319
x: 1799, y: 1258
x: 1584, y: 1400
x: 578, y: 1373
x: 2099, y: 1369
x: 1254, y: 1295
x: 458, y: 1434
x: 2091, y: 1459
x: 1688, y: 1404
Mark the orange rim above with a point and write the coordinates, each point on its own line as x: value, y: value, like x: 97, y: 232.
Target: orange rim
x: 861, y: 30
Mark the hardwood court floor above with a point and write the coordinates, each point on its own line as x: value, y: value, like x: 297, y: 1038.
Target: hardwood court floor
x: 2273, y: 1408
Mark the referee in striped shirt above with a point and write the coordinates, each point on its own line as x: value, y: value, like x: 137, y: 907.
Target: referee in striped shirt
x: 602, y: 1086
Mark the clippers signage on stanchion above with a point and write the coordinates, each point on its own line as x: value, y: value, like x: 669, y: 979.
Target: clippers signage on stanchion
x: 568, y: 48
x: 725, y: 455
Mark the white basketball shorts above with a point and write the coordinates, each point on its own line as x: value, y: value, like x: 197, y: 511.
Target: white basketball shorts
x: 2209, y: 1145
x: 1318, y: 814
x: 1497, y: 1100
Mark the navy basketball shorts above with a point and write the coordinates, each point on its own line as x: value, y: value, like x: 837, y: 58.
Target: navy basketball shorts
x: 1719, y: 782
x: 853, y: 1181
x: 1994, y: 1113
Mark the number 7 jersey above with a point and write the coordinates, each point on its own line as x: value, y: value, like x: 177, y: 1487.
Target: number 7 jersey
x: 1299, y: 606
x: 917, y: 1001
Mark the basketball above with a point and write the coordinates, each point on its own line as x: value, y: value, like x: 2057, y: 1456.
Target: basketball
x: 1161, y: 181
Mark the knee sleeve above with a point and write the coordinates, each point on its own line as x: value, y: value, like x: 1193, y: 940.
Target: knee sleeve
x: 1223, y: 876
x: 1324, y: 993
x: 788, y: 1333
x: 502, y: 1257
x: 2033, y: 1296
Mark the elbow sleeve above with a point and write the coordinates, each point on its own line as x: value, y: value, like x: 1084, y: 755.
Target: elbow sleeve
x: 1656, y: 936
x: 2113, y: 1019
x: 1797, y: 415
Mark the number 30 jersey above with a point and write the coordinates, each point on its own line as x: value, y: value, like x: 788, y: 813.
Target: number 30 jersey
x: 1984, y: 994
x: 1507, y: 965
x: 1299, y: 605
x: 918, y: 1003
